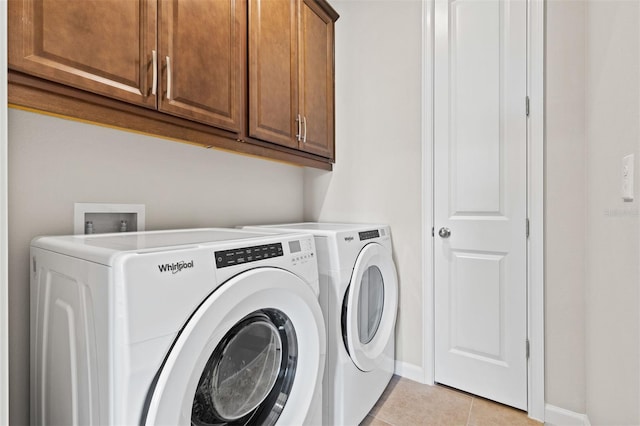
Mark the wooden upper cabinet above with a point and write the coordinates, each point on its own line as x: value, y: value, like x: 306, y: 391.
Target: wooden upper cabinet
x: 316, y: 79
x: 201, y: 57
x: 197, y: 69
x: 273, y: 62
x: 103, y: 46
x: 291, y: 74
x: 259, y: 71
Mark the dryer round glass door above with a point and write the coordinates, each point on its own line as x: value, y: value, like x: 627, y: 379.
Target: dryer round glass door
x: 369, y: 307
x: 370, y: 304
x: 252, y: 353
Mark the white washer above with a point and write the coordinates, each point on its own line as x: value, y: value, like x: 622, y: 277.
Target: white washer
x: 359, y: 298
x: 207, y: 326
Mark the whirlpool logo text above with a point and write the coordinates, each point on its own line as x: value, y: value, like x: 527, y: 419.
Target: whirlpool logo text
x: 174, y: 268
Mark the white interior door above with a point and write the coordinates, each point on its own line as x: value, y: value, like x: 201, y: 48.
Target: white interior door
x: 480, y: 198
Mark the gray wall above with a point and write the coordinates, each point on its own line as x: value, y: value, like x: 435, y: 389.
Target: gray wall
x: 56, y: 162
x: 592, y: 235
x: 612, y: 284
x: 565, y: 205
x: 377, y: 176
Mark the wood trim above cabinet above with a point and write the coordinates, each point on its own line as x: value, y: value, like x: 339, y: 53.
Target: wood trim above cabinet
x: 56, y: 99
x: 328, y: 9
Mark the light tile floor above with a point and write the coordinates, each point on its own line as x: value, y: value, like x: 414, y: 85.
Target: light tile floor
x: 408, y: 403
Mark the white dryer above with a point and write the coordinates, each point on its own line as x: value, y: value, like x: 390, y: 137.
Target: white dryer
x: 201, y: 327
x: 359, y: 298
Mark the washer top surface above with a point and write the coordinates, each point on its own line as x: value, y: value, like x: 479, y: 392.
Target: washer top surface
x: 102, y: 247
x: 142, y: 241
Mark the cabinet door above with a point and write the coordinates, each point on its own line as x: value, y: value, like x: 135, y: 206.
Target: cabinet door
x: 103, y: 46
x: 316, y: 88
x: 202, y: 46
x: 273, y: 75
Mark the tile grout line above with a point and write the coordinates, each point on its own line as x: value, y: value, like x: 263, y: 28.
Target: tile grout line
x: 470, y: 408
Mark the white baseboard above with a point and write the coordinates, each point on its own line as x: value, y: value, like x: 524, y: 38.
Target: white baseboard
x: 557, y: 416
x: 410, y: 371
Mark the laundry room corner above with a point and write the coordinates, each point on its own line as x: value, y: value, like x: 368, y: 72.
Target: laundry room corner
x: 378, y: 129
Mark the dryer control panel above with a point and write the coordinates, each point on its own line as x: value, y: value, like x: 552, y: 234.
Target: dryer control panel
x: 367, y: 235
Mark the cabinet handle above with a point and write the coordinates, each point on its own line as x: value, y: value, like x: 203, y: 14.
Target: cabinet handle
x: 304, y: 138
x: 154, y: 83
x: 299, y: 134
x: 168, y: 78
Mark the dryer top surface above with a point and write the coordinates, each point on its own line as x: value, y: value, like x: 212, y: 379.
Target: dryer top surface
x: 318, y: 228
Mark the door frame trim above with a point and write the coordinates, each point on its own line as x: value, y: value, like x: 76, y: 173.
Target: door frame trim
x: 535, y: 202
x: 428, y: 320
x: 535, y: 206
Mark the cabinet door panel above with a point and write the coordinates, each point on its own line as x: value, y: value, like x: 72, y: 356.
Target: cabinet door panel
x: 316, y: 79
x: 273, y: 71
x: 205, y: 43
x: 104, y: 46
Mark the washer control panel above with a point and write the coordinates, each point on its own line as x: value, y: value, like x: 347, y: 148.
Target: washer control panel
x: 293, y: 251
x: 242, y: 255
x: 301, y: 251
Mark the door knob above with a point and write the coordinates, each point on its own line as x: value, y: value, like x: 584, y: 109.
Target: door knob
x: 444, y: 232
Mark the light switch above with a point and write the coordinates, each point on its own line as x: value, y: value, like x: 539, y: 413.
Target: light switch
x: 627, y: 177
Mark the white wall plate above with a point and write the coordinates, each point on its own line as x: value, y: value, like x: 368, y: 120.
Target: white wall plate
x: 108, y: 218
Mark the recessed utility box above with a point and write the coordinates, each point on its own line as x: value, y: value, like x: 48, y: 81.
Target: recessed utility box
x: 99, y: 218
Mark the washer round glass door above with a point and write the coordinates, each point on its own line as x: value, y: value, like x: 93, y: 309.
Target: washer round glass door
x: 248, y: 367
x: 369, y: 308
x: 252, y: 353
